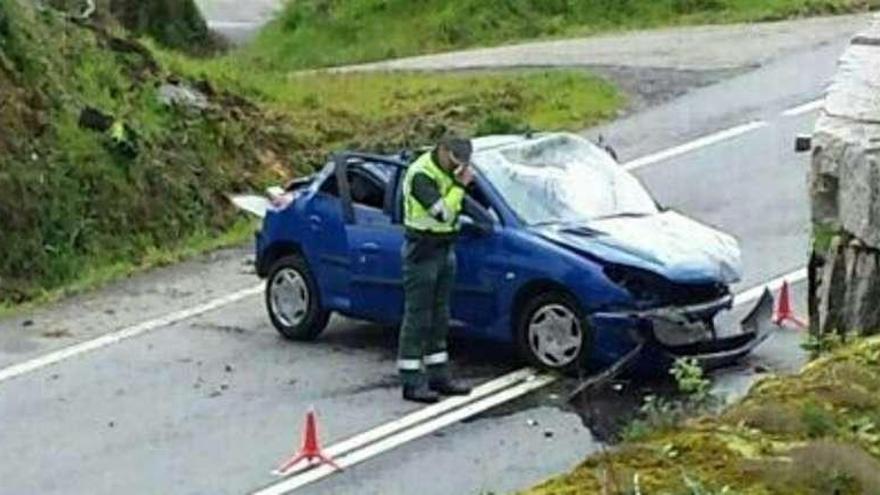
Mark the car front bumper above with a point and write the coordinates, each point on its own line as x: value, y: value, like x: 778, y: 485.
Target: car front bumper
x: 691, y: 332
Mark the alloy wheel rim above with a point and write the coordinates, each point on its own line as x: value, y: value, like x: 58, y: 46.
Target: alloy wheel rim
x: 555, y: 335
x: 289, y: 297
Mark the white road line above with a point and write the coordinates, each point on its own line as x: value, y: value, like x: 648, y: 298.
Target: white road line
x: 774, y: 285
x: 421, y: 430
x: 805, y: 108
x: 423, y: 414
x: 695, y: 145
x: 429, y: 412
x: 430, y: 419
x: 126, y: 333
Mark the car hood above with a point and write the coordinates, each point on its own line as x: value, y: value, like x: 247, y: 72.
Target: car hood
x: 669, y: 244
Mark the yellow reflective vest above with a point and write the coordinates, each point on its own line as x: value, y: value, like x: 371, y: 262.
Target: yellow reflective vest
x: 441, y: 218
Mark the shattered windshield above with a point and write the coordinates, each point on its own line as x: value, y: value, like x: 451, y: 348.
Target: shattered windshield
x: 563, y: 179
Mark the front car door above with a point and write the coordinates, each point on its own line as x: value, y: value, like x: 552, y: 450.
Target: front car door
x: 478, y: 268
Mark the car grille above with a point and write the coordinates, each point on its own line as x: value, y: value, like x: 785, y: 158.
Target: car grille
x: 689, y: 294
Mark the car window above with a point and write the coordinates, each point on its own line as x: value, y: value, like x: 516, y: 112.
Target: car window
x: 479, y: 196
x: 367, y: 181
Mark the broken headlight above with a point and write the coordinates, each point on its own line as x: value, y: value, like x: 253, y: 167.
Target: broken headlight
x: 641, y: 284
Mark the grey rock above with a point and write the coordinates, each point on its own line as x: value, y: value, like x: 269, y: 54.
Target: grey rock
x: 183, y: 96
x: 849, y: 291
x: 845, y: 191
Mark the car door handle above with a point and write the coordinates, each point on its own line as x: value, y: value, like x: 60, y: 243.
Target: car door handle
x: 315, y: 221
x: 369, y: 247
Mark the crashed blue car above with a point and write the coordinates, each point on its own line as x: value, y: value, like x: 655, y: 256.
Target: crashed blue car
x: 562, y: 253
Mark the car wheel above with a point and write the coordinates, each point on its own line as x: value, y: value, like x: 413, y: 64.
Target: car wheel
x: 293, y: 301
x: 553, y: 333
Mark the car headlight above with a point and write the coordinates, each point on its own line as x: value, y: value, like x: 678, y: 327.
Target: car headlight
x: 640, y: 284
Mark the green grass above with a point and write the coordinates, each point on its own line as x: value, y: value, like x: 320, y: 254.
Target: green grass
x: 319, y: 33
x: 98, y: 272
x: 73, y: 207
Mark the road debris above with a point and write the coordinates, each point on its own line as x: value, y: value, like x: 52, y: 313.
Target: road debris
x: 59, y: 333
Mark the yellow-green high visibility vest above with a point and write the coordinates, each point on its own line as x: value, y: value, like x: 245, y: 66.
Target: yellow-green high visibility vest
x: 419, y: 218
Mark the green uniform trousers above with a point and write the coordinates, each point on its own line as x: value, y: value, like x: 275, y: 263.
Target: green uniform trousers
x: 427, y: 286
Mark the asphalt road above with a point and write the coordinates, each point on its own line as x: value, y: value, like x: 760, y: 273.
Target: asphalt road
x: 210, y: 404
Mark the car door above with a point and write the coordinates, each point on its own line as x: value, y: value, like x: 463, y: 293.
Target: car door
x: 480, y: 265
x: 327, y: 248
x: 479, y: 260
x: 374, y: 243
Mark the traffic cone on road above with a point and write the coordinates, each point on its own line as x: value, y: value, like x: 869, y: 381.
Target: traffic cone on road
x: 310, y: 450
x: 784, y: 310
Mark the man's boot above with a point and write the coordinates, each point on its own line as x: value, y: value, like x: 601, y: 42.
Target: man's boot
x: 447, y: 386
x: 420, y: 393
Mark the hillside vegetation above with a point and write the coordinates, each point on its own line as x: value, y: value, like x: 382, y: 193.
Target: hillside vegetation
x: 100, y: 177
x: 816, y: 433
x: 72, y: 198
x: 318, y: 33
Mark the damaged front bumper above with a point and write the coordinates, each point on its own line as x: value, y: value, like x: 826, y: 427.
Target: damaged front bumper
x: 691, y: 331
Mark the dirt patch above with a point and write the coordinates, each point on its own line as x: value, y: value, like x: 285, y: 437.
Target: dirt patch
x: 647, y: 87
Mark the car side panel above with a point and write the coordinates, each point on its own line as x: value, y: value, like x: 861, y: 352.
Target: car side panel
x: 529, y: 258
x: 377, y: 292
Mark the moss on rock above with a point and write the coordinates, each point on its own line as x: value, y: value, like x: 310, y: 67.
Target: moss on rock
x: 813, y: 433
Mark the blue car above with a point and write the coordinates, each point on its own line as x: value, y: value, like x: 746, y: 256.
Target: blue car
x: 562, y: 253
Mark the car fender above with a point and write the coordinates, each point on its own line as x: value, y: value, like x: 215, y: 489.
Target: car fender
x: 534, y: 262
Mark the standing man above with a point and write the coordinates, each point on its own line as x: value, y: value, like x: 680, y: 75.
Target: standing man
x: 433, y: 191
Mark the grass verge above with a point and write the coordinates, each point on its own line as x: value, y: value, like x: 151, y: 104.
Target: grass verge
x: 320, y: 33
x: 813, y: 433
x: 386, y: 112
x: 101, y: 272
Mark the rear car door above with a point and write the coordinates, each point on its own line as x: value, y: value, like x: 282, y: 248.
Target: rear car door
x: 327, y: 248
x: 374, y: 242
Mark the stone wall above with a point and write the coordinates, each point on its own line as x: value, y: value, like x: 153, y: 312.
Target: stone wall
x: 845, y: 190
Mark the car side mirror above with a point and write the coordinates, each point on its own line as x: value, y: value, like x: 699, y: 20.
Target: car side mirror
x: 472, y: 227
x: 803, y: 144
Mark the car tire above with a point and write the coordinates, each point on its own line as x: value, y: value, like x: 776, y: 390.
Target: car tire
x: 554, y: 333
x: 293, y: 301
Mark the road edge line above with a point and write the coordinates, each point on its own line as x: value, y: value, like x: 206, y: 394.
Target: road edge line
x: 805, y: 108
x: 391, y: 442
x: 421, y: 415
x: 773, y: 285
x: 57, y: 356
x: 694, y: 145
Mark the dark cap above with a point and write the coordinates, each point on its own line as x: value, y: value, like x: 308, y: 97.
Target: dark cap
x: 460, y: 149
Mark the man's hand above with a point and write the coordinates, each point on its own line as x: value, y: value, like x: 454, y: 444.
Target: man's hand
x: 465, y: 176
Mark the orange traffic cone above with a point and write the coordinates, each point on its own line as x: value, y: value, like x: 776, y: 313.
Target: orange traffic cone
x: 310, y: 450
x: 784, y: 310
